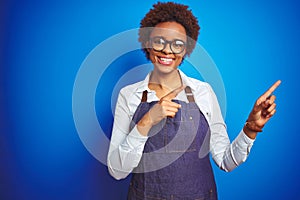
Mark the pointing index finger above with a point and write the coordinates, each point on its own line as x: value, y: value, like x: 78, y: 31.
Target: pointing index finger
x: 271, y: 89
x: 171, y: 95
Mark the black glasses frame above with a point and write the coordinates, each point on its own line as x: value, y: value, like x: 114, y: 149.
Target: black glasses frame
x: 167, y: 42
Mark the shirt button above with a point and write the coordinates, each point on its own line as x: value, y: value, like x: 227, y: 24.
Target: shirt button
x: 191, y: 117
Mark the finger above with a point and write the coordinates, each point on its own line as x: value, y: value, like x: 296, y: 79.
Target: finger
x: 170, y: 103
x: 265, y: 96
x: 270, y: 100
x: 170, y: 114
x: 171, y: 95
x: 271, y: 90
x: 271, y: 114
x: 257, y: 106
x: 170, y: 108
x: 272, y: 107
x: 268, y: 110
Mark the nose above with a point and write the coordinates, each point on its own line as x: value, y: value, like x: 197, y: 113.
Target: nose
x: 167, y: 49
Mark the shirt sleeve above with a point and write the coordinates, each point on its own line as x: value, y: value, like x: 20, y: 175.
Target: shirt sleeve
x: 126, y: 146
x: 225, y: 154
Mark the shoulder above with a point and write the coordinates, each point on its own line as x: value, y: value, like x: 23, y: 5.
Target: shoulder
x: 195, y: 84
x: 130, y: 97
x: 198, y: 85
x: 131, y: 94
x: 131, y: 89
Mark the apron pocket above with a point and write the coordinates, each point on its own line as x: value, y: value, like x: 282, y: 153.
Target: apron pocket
x: 179, y: 136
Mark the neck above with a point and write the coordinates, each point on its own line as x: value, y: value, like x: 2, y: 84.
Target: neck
x: 169, y: 81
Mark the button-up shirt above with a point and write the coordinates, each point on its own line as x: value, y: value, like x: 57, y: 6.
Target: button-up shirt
x: 126, y: 146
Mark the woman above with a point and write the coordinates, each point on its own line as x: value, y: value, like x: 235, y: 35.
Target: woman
x: 166, y: 124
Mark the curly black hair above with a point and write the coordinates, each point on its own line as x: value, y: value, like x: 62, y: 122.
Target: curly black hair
x: 170, y: 12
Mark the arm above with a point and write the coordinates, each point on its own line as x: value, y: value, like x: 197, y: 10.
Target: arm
x: 126, y: 147
x: 227, y: 156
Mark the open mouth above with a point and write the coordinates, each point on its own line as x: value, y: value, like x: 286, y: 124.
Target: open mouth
x: 165, y: 61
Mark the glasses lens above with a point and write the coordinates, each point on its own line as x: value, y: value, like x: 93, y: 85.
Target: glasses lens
x: 177, y: 46
x: 158, y: 43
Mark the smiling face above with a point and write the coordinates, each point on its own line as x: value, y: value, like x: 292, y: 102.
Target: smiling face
x: 172, y: 35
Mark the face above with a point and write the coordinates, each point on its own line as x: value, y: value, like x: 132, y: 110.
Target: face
x: 167, y: 46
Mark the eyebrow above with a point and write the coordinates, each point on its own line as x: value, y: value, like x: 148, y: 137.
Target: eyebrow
x: 159, y: 36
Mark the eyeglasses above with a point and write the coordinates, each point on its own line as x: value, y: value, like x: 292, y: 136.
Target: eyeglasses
x: 159, y: 44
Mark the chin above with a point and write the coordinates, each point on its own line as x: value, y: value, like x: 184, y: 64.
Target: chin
x: 165, y: 69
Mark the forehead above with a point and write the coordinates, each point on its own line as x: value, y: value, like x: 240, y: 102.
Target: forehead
x: 169, y: 30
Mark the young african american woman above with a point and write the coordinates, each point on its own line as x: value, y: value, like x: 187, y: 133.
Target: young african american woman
x: 162, y: 122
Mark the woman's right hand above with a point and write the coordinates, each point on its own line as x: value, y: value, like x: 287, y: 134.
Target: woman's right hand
x: 164, y: 108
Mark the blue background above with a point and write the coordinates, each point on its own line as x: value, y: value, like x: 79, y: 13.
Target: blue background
x: 43, y: 44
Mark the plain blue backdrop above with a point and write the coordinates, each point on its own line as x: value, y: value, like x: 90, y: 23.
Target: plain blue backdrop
x: 43, y: 44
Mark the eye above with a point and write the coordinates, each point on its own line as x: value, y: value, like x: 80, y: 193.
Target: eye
x: 158, y: 41
x: 178, y: 44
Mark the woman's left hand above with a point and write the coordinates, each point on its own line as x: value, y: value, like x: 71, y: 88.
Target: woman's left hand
x: 263, y: 109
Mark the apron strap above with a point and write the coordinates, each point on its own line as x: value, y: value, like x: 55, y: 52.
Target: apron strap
x: 144, y: 97
x: 189, y: 94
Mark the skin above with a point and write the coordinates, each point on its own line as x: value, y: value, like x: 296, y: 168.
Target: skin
x: 165, y: 79
x: 262, y: 111
x: 166, y: 82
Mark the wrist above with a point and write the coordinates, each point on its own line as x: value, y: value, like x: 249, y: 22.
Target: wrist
x: 251, y: 129
x: 251, y: 126
x: 145, y: 121
x: 251, y: 134
x: 145, y: 124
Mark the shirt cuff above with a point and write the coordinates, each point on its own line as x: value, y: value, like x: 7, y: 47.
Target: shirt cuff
x: 244, y: 143
x: 246, y: 139
x: 135, y: 140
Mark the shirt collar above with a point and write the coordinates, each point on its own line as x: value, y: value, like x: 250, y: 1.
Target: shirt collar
x: 185, y: 81
x: 144, y: 84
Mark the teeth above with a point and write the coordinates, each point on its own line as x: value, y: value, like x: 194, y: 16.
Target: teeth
x: 166, y: 59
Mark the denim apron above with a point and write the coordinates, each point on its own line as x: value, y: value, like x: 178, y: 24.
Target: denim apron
x: 170, y: 168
